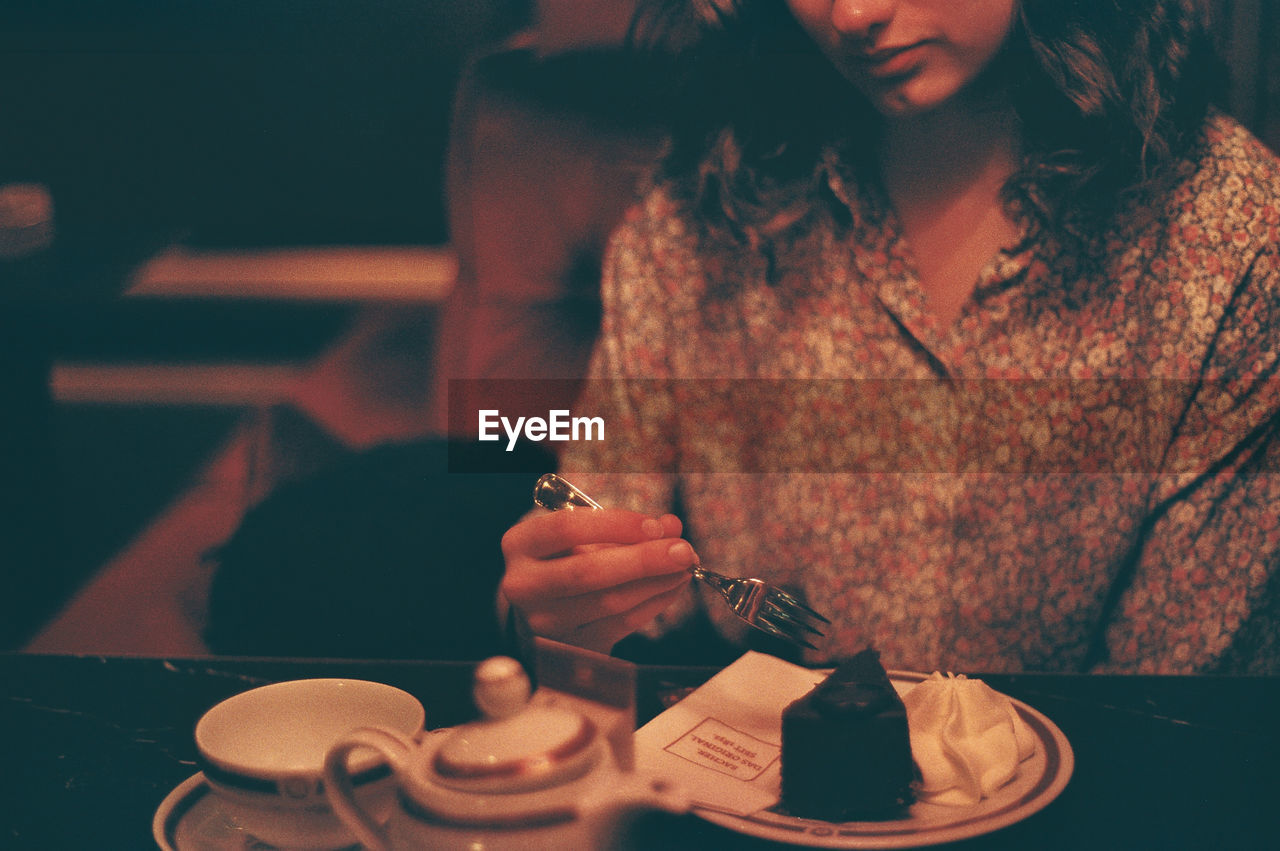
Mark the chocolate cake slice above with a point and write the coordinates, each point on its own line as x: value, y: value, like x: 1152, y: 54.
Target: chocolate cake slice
x: 846, y: 754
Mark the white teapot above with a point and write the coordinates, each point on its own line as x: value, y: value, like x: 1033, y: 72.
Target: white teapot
x: 531, y: 775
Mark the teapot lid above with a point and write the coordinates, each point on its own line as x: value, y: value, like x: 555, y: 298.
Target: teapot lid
x: 518, y: 746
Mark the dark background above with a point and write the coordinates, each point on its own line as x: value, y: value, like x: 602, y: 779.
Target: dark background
x: 242, y: 123
x: 219, y: 124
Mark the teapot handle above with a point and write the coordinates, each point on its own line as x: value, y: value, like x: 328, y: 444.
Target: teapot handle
x: 393, y: 745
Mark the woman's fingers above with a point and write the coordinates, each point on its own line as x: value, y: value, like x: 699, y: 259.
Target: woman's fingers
x: 593, y: 577
x: 610, y: 603
x: 597, y: 570
x: 603, y: 630
x: 547, y: 535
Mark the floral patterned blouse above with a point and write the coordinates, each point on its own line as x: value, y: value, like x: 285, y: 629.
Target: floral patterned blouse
x: 1079, y: 473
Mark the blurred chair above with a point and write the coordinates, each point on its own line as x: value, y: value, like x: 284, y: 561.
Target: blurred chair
x: 384, y: 551
x: 390, y: 553
x: 544, y: 157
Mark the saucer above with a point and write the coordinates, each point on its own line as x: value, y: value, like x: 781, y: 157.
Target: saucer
x: 190, y: 818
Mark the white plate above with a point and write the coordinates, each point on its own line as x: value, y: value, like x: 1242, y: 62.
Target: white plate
x: 1039, y: 780
x: 189, y: 819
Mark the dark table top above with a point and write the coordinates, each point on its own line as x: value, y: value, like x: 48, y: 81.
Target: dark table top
x: 1161, y: 762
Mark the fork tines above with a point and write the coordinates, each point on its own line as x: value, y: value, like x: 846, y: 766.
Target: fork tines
x: 786, y: 617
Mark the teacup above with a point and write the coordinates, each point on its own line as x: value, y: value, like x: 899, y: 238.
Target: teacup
x: 263, y: 753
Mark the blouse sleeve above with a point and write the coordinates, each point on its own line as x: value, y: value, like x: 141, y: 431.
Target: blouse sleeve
x: 1203, y: 592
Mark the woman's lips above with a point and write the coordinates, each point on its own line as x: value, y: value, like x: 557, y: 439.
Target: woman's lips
x: 891, y: 61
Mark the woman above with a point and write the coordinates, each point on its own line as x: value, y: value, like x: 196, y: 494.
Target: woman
x: 959, y: 319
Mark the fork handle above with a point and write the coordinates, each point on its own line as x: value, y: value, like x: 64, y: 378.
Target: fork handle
x: 710, y: 577
x: 555, y: 494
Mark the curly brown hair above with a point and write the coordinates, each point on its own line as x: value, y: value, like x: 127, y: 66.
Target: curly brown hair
x: 1109, y: 93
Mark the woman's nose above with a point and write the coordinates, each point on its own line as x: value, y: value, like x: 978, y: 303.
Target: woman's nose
x: 861, y: 18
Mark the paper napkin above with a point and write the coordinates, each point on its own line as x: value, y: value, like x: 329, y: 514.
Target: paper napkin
x: 722, y: 742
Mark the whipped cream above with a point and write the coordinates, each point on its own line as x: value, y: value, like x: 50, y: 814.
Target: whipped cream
x: 967, y: 739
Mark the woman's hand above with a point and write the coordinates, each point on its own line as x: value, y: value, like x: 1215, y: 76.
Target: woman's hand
x: 591, y: 578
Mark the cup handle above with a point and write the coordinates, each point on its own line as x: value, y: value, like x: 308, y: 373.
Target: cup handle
x: 392, y: 745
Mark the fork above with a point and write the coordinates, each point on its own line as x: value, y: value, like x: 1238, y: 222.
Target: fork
x: 763, y: 606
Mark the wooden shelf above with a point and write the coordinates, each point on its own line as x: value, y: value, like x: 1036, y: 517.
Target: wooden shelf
x: 422, y: 274
x: 208, y: 384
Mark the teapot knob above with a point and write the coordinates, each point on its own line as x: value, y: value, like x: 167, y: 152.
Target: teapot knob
x: 501, y: 688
